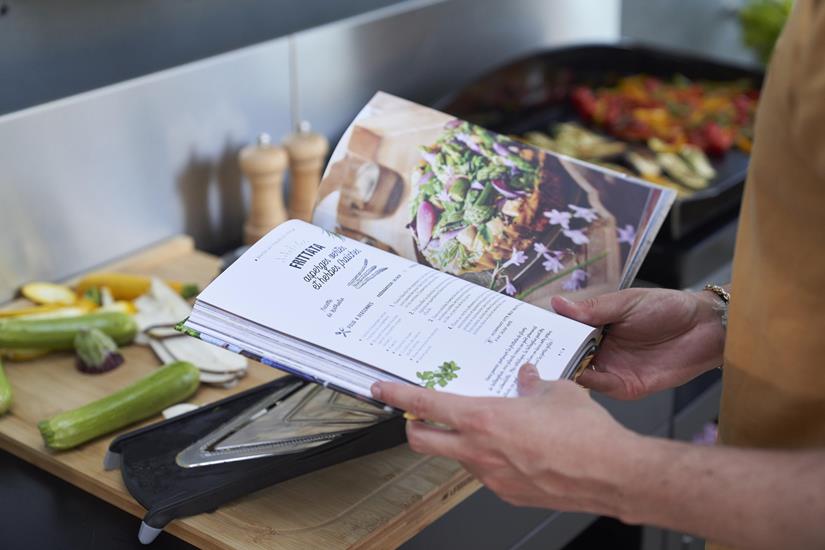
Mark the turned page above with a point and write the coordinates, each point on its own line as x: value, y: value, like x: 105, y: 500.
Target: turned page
x: 485, y: 207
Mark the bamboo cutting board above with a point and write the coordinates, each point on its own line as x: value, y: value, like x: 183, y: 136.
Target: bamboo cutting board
x: 379, y: 500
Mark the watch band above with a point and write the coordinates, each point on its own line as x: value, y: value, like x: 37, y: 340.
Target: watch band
x: 724, y: 297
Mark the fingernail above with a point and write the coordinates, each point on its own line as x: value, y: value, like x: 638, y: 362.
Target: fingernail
x: 566, y: 301
x: 530, y: 370
x: 376, y: 390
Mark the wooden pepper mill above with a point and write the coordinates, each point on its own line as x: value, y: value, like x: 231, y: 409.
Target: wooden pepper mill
x: 264, y: 165
x: 307, y: 151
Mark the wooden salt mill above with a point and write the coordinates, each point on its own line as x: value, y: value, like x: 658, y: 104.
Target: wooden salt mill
x: 307, y: 151
x: 264, y: 165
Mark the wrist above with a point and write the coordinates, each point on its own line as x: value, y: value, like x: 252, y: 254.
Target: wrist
x: 644, y: 475
x: 622, y: 476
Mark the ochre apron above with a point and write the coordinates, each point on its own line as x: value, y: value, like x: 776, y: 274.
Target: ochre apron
x: 774, y: 373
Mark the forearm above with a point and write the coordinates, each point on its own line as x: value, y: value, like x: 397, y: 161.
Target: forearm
x: 740, y: 497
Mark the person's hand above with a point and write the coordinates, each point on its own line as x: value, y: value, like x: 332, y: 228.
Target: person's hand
x: 554, y: 448
x: 657, y: 339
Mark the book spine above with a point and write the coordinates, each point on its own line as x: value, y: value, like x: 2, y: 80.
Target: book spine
x: 280, y: 366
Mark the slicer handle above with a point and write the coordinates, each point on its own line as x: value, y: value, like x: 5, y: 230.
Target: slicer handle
x: 264, y: 165
x: 307, y: 151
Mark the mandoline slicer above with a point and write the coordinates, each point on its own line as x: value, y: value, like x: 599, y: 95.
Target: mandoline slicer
x: 198, y: 461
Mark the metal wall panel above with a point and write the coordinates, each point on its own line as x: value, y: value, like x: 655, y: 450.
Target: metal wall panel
x: 89, y: 178
x: 426, y: 53
x: 101, y: 174
x: 706, y: 27
x: 54, y: 48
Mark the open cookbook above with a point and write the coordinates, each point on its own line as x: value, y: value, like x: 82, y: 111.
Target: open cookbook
x: 435, y: 250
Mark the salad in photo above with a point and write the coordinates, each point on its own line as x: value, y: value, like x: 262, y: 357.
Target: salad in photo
x: 482, y: 202
x: 476, y: 197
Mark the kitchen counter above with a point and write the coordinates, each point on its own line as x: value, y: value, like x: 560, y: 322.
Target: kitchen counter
x: 436, y: 506
x: 382, y: 499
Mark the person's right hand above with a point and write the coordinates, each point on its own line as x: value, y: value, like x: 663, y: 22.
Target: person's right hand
x: 657, y: 339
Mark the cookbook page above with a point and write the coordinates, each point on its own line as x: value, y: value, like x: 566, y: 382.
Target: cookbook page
x: 492, y: 210
x: 419, y: 324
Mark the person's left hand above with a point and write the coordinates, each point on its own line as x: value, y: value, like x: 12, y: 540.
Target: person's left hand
x: 554, y: 447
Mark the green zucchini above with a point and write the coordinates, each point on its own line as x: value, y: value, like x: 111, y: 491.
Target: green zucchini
x: 5, y: 392
x: 59, y: 333
x: 146, y: 397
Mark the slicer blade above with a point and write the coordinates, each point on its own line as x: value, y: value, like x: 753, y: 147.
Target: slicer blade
x: 295, y: 418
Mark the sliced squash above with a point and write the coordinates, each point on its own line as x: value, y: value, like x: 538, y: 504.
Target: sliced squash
x: 124, y: 306
x: 32, y: 310
x: 49, y: 294
x: 22, y: 354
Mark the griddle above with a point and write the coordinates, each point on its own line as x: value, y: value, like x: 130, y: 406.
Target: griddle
x: 531, y: 94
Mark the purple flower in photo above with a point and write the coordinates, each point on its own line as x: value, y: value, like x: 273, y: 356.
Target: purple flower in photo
x: 558, y: 218
x: 477, y: 185
x: 503, y: 189
x: 428, y: 157
x: 540, y: 249
x: 576, y: 235
x: 551, y: 263
x: 516, y: 258
x: 421, y: 179
x: 575, y: 281
x: 627, y: 234
x: 587, y: 214
x: 509, y: 287
x: 443, y: 196
x: 500, y: 149
x: 468, y: 141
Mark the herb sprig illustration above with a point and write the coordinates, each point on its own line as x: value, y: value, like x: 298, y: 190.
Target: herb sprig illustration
x: 441, y: 376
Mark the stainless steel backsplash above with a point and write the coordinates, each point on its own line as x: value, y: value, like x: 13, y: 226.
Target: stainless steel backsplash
x: 95, y: 176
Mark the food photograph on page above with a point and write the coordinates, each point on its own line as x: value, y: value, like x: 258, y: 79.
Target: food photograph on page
x: 488, y: 208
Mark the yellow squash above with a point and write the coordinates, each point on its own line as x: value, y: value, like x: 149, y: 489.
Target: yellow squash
x: 49, y: 294
x: 125, y: 286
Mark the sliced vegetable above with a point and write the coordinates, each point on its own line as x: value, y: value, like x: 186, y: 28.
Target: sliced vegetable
x: 424, y: 223
x: 179, y: 409
x: 5, y: 392
x: 33, y: 310
x: 22, y: 354
x: 146, y: 397
x: 80, y: 308
x: 49, y: 293
x: 708, y: 115
x: 125, y: 286
x: 96, y: 352
x: 644, y: 163
x: 123, y: 306
x: 698, y: 161
x: 59, y: 334
x: 681, y: 171
x: 106, y: 298
x: 92, y: 294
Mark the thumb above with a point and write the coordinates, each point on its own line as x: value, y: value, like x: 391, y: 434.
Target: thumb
x: 529, y: 381
x: 597, y: 311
